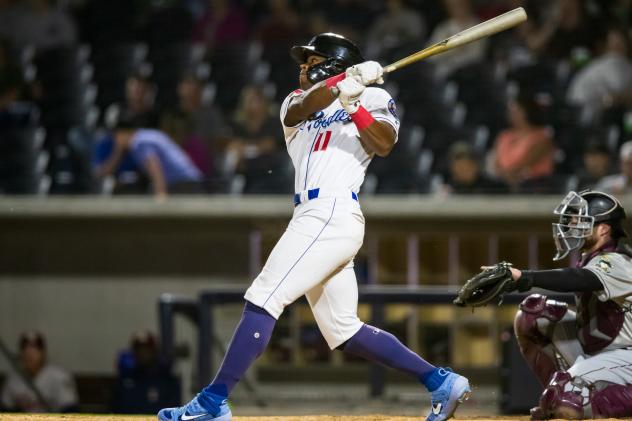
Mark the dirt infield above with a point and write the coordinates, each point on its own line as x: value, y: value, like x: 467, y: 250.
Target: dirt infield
x: 88, y: 417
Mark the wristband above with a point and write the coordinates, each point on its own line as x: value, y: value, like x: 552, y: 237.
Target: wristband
x: 332, y: 81
x: 362, y: 118
x: 525, y: 282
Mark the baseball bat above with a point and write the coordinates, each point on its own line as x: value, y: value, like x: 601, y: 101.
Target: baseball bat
x: 482, y: 30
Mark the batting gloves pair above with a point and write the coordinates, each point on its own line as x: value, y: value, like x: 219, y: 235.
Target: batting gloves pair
x: 356, y: 80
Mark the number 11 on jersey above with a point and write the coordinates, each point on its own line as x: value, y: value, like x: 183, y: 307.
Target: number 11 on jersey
x: 321, y: 144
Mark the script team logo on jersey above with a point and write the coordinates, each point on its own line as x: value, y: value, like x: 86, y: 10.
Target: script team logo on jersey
x: 392, y: 108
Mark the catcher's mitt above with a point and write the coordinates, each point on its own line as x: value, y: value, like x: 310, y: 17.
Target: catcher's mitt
x: 493, y: 282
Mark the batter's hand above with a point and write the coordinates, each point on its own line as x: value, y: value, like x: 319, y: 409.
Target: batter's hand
x: 366, y: 73
x: 349, y: 94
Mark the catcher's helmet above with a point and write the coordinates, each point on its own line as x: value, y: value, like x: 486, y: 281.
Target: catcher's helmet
x: 339, y: 52
x: 578, y: 213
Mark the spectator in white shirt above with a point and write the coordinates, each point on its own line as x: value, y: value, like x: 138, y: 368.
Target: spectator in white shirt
x: 604, y: 80
x: 55, y: 385
x: 619, y: 184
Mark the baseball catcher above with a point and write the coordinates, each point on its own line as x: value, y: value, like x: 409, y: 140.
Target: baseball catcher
x: 582, y: 357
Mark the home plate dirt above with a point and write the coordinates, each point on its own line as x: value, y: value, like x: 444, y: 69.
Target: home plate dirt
x: 89, y: 417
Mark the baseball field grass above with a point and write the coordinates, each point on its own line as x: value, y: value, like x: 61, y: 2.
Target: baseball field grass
x: 90, y: 417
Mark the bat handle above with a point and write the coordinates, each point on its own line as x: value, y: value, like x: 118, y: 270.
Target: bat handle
x: 389, y: 69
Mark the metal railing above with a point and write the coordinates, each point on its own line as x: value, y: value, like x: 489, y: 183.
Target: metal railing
x: 200, y: 312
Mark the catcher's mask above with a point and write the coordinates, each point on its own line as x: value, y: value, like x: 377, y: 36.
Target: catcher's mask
x: 578, y: 213
x: 338, y: 51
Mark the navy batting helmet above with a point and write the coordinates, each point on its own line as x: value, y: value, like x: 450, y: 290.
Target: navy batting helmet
x: 339, y: 52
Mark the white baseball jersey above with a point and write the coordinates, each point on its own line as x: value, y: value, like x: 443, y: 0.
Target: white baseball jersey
x: 314, y: 256
x: 326, y: 150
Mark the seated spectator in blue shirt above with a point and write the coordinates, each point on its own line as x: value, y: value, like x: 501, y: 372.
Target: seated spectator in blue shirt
x: 168, y: 168
x: 145, y: 382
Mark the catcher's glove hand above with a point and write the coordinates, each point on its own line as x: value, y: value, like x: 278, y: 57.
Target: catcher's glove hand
x: 495, y: 281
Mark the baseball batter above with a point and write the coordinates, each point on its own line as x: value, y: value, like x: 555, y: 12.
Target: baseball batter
x: 583, y: 358
x: 333, y: 127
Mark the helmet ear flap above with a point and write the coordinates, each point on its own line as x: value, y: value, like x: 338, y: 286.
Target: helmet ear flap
x: 325, y: 69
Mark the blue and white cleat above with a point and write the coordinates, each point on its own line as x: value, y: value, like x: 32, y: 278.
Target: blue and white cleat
x: 453, y: 391
x: 201, y: 408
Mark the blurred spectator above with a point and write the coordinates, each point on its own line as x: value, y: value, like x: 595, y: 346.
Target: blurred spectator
x: 350, y: 18
x: 8, y: 18
x: 138, y: 108
x: 525, y: 151
x: 43, y: 25
x: 460, y: 16
x: 280, y: 26
x: 9, y: 88
x: 398, y: 26
x: 465, y: 175
x: 223, y: 24
x: 127, y: 176
x: 103, y: 25
x: 195, y: 124
x: 167, y: 166
x: 606, y: 79
x: 140, y: 95
x: 14, y: 110
x: 255, y: 129
x: 55, y: 386
x: 10, y: 71
x: 172, y: 14
x: 596, y: 165
x: 145, y: 383
x: 566, y: 32
x: 621, y: 10
x: 621, y: 183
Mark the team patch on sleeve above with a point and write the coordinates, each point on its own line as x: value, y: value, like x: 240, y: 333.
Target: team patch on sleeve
x: 392, y: 108
x: 604, y: 264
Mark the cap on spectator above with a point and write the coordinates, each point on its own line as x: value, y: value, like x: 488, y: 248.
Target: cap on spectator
x: 626, y: 150
x: 32, y: 338
x: 461, y: 150
x: 199, y: 73
x: 597, y: 147
x: 143, y: 72
x: 143, y: 338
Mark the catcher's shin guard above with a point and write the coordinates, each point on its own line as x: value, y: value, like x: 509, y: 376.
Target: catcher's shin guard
x: 536, y: 311
x: 572, y: 398
x: 613, y: 401
x: 559, y: 400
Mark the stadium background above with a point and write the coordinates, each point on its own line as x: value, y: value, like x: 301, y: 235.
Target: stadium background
x: 84, y: 258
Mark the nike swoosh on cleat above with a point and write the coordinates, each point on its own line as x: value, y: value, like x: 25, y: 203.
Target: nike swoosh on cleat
x: 186, y: 417
x: 436, y: 408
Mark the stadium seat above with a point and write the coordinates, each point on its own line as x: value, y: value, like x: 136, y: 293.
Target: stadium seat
x: 269, y: 174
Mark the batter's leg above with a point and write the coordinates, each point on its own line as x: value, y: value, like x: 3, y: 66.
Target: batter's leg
x: 321, y: 238
x: 249, y: 340
x: 334, y: 304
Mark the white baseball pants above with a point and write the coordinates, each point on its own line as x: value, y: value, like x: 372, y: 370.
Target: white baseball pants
x: 314, y: 257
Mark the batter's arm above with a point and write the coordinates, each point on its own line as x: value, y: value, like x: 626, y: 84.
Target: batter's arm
x: 379, y: 138
x: 316, y: 98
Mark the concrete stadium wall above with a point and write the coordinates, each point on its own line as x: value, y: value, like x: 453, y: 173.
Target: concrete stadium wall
x: 89, y: 271
x: 88, y: 320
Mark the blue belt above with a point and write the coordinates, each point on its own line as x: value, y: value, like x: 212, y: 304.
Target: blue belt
x: 313, y: 194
